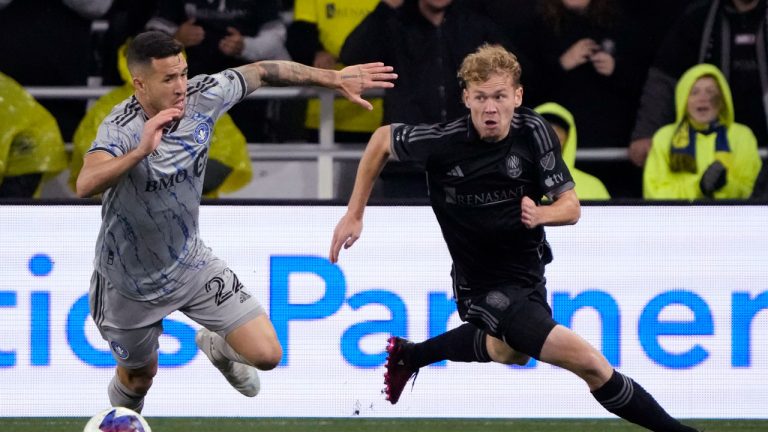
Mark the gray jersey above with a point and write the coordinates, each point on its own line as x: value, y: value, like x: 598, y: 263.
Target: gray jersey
x: 148, y: 244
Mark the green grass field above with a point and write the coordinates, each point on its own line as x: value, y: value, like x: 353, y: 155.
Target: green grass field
x: 193, y: 424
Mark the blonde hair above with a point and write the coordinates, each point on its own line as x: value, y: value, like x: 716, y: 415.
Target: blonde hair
x: 489, y: 59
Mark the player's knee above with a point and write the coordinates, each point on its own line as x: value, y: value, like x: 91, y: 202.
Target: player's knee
x: 520, y: 359
x: 141, y: 385
x: 140, y: 380
x: 510, y: 357
x: 269, y: 357
x: 593, y: 366
x: 502, y: 353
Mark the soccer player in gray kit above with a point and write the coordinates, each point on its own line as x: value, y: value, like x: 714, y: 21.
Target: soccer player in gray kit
x: 148, y: 162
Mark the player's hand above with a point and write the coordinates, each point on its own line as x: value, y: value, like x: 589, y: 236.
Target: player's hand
x: 578, y: 54
x: 713, y: 179
x: 638, y: 151
x: 358, y: 78
x: 189, y: 33
x: 603, y: 63
x: 529, y: 213
x: 153, y: 129
x: 233, y: 43
x: 346, y: 234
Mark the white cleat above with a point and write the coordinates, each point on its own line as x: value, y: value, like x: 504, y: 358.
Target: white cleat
x: 243, y: 378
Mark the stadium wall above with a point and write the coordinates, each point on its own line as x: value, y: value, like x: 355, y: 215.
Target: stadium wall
x: 675, y: 296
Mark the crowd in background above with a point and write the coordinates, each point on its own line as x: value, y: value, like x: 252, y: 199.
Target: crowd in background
x: 681, y: 85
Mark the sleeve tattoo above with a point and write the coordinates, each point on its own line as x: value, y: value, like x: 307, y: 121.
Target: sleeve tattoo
x: 285, y: 73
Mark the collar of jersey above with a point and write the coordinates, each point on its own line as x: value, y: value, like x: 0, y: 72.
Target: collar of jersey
x: 170, y: 128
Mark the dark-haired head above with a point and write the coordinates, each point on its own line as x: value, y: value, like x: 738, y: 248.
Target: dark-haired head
x: 150, y: 45
x: 159, y: 72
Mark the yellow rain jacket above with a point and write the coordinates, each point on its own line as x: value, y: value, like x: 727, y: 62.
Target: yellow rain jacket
x: 588, y: 187
x: 30, y: 140
x: 335, y: 21
x: 742, y: 162
x: 228, y: 145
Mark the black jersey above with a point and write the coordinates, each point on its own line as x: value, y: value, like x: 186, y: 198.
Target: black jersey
x: 475, y: 188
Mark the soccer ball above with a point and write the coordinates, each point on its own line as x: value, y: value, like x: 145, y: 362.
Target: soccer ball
x: 117, y: 419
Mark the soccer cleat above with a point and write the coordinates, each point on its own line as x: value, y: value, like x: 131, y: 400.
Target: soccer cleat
x: 398, y: 371
x: 243, y: 378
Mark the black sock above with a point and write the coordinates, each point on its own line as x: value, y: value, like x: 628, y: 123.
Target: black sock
x: 465, y: 343
x: 628, y: 400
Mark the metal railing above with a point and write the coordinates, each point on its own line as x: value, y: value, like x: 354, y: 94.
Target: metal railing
x: 323, y: 153
x: 326, y: 150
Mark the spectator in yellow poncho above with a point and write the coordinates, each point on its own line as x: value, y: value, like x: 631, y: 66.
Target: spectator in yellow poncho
x: 31, y: 148
x: 315, y: 38
x: 588, y: 187
x: 705, y: 153
x: 229, y: 165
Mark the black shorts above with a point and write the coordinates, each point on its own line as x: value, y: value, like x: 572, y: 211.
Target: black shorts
x: 520, y: 317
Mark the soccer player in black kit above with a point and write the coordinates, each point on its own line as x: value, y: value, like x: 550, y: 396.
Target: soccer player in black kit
x: 487, y: 173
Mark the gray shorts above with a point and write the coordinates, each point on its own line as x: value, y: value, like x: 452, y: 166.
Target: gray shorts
x: 215, y: 299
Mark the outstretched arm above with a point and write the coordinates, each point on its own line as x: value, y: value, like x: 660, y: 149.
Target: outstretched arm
x: 350, y: 81
x: 351, y: 224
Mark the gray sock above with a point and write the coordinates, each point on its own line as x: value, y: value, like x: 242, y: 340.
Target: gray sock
x: 120, y: 395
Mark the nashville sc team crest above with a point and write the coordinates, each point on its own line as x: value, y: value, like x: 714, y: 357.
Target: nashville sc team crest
x: 202, y: 133
x: 513, y: 166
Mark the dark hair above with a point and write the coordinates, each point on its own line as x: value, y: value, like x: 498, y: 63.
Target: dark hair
x: 602, y: 13
x: 151, y: 45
